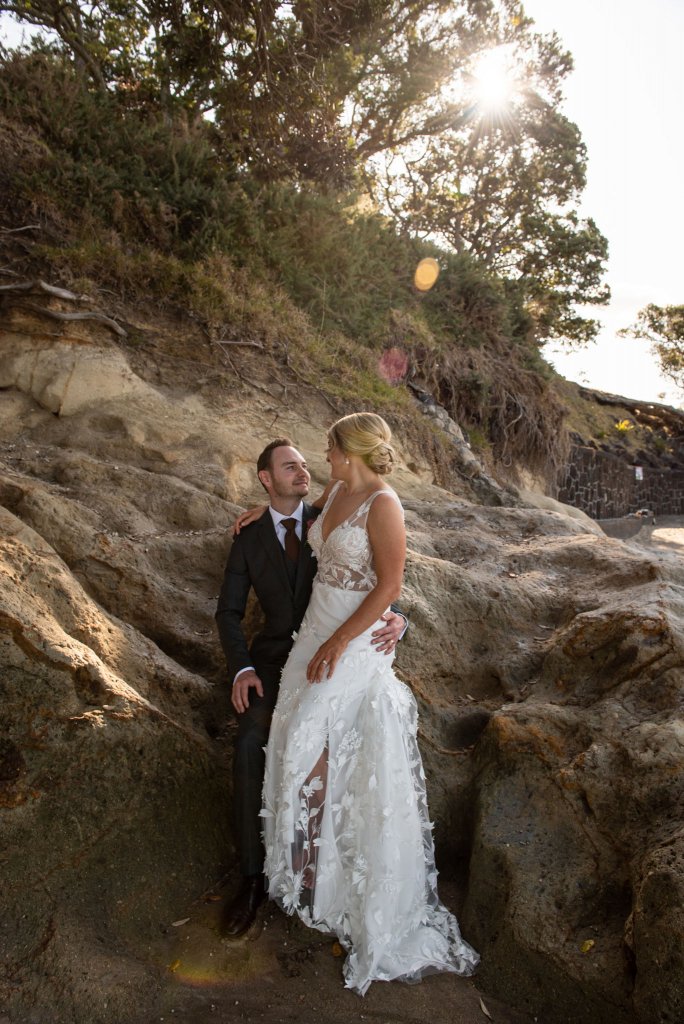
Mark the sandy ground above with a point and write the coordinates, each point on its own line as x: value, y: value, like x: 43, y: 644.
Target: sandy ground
x: 284, y: 972
x: 665, y: 537
x: 668, y: 535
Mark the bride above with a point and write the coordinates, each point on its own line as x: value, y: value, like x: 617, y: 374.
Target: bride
x: 346, y: 828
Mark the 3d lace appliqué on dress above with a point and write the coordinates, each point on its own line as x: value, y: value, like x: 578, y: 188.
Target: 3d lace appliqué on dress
x: 346, y: 828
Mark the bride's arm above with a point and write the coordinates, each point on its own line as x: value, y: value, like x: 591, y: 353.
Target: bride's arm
x: 387, y: 537
x: 250, y: 515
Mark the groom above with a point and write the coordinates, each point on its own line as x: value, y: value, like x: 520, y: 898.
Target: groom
x: 271, y: 556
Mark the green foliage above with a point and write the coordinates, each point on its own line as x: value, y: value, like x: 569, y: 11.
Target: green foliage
x: 471, y: 304
x: 231, y: 301
x: 479, y: 441
x: 131, y: 170
x: 505, y: 194
x: 663, y: 327
x: 143, y: 197
x: 157, y: 208
x: 562, y: 263
x: 315, y: 93
x: 275, y: 75
x: 347, y: 268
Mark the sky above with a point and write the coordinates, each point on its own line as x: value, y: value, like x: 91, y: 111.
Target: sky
x: 626, y: 94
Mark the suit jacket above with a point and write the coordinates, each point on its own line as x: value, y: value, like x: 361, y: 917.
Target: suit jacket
x: 257, y: 561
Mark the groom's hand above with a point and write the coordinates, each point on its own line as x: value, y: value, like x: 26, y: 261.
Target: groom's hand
x: 240, y: 696
x: 387, y: 638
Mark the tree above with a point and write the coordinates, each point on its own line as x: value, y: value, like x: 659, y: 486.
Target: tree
x: 305, y: 88
x: 663, y: 328
x: 503, y: 184
x: 377, y: 93
x: 301, y: 86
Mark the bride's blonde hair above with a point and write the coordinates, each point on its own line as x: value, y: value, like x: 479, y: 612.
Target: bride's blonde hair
x: 365, y: 434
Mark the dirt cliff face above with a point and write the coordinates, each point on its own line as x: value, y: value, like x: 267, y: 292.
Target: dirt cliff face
x: 547, y: 661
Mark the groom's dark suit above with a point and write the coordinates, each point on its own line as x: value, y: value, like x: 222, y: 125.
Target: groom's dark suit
x: 257, y: 560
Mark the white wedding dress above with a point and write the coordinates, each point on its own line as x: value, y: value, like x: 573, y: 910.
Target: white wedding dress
x: 346, y: 829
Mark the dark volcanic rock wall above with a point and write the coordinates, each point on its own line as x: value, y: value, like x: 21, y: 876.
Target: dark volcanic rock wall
x: 605, y: 486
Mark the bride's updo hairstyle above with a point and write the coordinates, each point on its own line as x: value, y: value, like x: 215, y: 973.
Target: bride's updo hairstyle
x: 367, y: 435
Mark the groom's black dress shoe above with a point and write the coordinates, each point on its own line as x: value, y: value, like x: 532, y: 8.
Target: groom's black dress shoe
x: 240, y: 914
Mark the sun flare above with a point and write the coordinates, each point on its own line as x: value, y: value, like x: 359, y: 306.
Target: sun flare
x: 494, y: 81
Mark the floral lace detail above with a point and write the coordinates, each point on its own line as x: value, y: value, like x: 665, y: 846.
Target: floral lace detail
x: 347, y: 833
x: 349, y: 844
x: 345, y: 557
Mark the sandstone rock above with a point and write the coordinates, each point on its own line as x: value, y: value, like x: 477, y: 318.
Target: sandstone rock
x: 578, y: 795
x: 107, y: 776
x: 656, y: 934
x: 547, y: 661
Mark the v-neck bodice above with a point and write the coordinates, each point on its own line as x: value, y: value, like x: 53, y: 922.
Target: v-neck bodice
x: 345, y: 557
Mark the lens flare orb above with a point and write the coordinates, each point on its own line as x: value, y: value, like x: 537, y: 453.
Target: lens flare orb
x: 426, y: 274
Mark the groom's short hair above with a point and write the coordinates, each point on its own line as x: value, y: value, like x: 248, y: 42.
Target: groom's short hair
x: 265, y: 459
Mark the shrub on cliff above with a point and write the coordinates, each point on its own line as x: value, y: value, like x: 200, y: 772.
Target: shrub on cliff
x: 161, y: 209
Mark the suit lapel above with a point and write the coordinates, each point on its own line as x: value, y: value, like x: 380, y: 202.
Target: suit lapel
x: 307, y: 562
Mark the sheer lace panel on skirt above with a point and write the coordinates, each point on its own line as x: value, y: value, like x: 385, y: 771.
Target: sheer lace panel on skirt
x: 308, y: 827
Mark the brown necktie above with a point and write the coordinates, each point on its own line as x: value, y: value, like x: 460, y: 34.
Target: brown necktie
x: 291, y: 539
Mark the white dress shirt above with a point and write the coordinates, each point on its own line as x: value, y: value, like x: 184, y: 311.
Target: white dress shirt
x: 278, y: 517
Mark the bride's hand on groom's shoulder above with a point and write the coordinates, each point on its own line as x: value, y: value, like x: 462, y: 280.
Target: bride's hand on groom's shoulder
x: 250, y: 515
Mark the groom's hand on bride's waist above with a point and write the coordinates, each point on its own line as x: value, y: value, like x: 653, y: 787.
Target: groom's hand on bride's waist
x: 388, y: 636
x: 241, y: 686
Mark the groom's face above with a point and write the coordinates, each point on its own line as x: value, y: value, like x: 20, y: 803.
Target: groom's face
x: 288, y: 476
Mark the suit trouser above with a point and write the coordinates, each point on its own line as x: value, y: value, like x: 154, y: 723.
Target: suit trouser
x: 248, y: 770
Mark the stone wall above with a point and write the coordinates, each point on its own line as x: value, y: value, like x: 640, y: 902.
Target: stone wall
x: 603, y: 485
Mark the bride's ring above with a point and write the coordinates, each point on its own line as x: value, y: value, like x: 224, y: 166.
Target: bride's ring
x: 325, y: 662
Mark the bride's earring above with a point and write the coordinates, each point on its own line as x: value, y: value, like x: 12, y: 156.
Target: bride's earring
x: 346, y: 462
